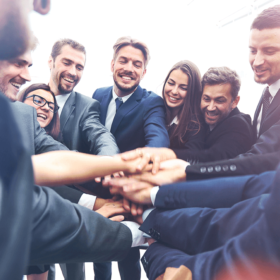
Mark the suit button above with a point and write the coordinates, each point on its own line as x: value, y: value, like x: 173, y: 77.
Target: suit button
x: 218, y: 168
x: 151, y: 231
x: 225, y: 168
x: 210, y: 169
x: 203, y: 169
x: 232, y: 167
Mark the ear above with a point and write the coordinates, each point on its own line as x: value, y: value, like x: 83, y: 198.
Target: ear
x: 112, y: 65
x: 235, y: 102
x: 50, y: 62
x: 144, y: 72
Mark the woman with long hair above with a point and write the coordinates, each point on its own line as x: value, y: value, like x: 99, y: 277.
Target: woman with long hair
x: 182, y: 94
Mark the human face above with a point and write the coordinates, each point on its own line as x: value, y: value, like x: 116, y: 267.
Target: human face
x: 217, y: 103
x: 175, y: 89
x: 128, y: 70
x: 44, y: 115
x: 66, y: 70
x: 264, y: 55
x: 13, y: 74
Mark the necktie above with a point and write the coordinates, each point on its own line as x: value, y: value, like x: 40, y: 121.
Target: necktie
x: 266, y: 103
x: 119, y: 103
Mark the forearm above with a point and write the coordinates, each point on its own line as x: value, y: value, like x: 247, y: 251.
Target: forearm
x: 65, y: 167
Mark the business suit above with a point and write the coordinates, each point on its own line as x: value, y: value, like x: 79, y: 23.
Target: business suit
x: 139, y: 122
x: 74, y: 234
x: 214, y: 237
x: 266, y: 144
x: 229, y: 138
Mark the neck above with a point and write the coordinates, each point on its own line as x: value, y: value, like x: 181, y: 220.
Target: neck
x: 121, y: 93
x: 54, y: 88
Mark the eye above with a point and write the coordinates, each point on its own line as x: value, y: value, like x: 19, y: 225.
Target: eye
x: 51, y: 106
x: 170, y: 83
x: 38, y: 100
x: 184, y: 88
x: 252, y: 51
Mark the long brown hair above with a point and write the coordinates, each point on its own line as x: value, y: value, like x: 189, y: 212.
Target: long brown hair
x: 189, y: 114
x: 53, y: 129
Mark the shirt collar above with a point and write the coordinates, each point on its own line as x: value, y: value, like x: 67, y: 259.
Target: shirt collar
x: 124, y: 98
x: 273, y: 89
x: 175, y: 120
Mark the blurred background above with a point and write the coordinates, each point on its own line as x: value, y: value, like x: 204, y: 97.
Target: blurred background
x: 207, y: 32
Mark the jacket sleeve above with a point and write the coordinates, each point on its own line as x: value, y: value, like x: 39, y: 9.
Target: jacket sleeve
x: 97, y: 137
x: 71, y: 194
x: 64, y: 232
x: 154, y: 124
x: 235, y: 138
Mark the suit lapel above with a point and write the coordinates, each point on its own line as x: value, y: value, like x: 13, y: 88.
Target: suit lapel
x: 257, y: 112
x: 107, y: 96
x: 126, y: 108
x: 67, y: 110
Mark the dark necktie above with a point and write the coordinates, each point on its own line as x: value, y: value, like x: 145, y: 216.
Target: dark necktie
x: 266, y: 103
x: 119, y: 103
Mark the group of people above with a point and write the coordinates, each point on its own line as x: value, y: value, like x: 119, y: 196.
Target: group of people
x: 170, y: 165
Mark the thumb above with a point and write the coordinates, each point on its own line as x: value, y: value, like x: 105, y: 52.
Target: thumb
x: 118, y: 218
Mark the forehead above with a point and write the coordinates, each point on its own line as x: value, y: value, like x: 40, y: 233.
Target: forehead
x: 264, y: 38
x: 67, y: 52
x: 179, y: 76
x: 132, y: 53
x: 43, y: 93
x: 215, y: 91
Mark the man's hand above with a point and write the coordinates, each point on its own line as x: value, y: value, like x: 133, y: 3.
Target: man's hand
x: 139, y: 192
x: 155, y: 155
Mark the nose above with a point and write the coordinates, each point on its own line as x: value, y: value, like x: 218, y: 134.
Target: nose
x: 128, y: 66
x: 72, y: 70
x: 45, y: 107
x: 25, y: 74
x: 211, y: 106
x: 174, y: 90
x: 258, y: 59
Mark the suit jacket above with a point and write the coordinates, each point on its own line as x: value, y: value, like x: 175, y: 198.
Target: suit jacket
x: 228, y: 139
x: 33, y: 211
x: 215, y: 237
x: 81, y: 128
x: 139, y: 122
x: 267, y: 145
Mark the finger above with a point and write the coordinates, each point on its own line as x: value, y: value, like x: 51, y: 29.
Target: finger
x: 156, y: 164
x: 145, y: 161
x: 118, y: 218
x: 130, y: 155
x: 133, y: 209
x: 107, y: 178
x: 116, y: 175
x: 97, y: 179
x: 121, y: 174
x: 126, y: 204
x: 139, y: 209
x: 114, y: 190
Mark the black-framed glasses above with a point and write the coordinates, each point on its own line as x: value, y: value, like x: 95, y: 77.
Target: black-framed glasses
x: 40, y: 101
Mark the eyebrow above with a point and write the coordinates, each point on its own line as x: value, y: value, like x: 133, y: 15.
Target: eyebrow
x: 124, y: 57
x: 180, y: 84
x: 71, y: 61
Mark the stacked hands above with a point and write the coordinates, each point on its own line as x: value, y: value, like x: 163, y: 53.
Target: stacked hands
x: 146, y: 168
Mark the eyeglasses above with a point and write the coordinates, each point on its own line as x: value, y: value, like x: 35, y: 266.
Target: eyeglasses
x: 40, y: 101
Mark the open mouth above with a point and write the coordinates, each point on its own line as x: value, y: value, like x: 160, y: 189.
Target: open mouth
x: 69, y: 80
x: 16, y: 85
x: 126, y: 77
x: 260, y: 71
x: 212, y: 114
x: 44, y: 117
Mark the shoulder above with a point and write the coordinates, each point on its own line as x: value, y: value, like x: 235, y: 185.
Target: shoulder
x: 23, y: 109
x: 151, y: 98
x: 85, y: 100
x: 100, y: 91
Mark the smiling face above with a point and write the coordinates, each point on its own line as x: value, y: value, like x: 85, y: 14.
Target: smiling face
x: 175, y: 89
x: 44, y: 115
x: 128, y: 70
x: 217, y: 103
x: 265, y: 55
x: 66, y: 70
x: 13, y: 74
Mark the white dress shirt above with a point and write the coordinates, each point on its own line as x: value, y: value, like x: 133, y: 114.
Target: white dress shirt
x: 273, y: 89
x: 111, y: 112
x: 85, y: 200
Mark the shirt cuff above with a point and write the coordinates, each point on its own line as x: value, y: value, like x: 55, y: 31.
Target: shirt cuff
x: 137, y: 235
x: 153, y: 194
x: 87, y: 201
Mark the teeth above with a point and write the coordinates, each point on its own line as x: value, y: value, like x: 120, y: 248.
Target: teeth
x: 212, y: 114
x: 126, y: 78
x: 16, y: 85
x: 173, y: 99
x: 42, y: 116
x: 68, y: 80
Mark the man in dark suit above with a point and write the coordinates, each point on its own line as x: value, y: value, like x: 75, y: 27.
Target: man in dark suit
x: 134, y: 116
x: 229, y: 131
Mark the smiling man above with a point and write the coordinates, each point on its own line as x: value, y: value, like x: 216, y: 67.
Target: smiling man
x: 135, y: 117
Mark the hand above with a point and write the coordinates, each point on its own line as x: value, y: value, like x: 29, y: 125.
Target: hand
x: 150, y: 241
x: 134, y: 208
x: 139, y: 192
x: 156, y: 155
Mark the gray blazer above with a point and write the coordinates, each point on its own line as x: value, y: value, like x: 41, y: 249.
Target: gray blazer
x: 81, y: 128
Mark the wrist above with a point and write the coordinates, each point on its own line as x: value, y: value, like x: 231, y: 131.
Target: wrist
x: 99, y: 202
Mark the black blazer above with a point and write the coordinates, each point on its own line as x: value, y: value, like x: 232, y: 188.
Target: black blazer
x: 81, y: 128
x: 231, y: 137
x: 263, y: 156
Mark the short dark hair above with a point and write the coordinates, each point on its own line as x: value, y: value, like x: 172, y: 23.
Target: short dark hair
x: 267, y: 19
x: 56, y: 49
x: 53, y: 129
x: 128, y: 41
x: 222, y: 75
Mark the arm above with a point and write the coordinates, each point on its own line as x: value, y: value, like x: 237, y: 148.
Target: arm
x: 154, y: 123
x: 99, y: 140
x: 234, y: 137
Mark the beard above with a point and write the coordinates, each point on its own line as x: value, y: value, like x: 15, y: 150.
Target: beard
x: 14, y: 29
x: 125, y: 89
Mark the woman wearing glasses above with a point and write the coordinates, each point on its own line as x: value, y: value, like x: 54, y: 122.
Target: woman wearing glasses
x: 43, y: 100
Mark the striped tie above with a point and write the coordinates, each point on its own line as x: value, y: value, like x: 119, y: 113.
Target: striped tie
x: 266, y: 102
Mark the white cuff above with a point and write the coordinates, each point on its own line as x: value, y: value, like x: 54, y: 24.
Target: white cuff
x: 87, y: 201
x: 137, y: 235
x: 153, y: 194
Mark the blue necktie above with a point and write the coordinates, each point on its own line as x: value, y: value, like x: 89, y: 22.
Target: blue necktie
x: 119, y: 103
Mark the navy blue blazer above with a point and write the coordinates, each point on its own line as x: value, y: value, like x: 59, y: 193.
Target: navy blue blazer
x: 214, y: 237
x: 139, y: 122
